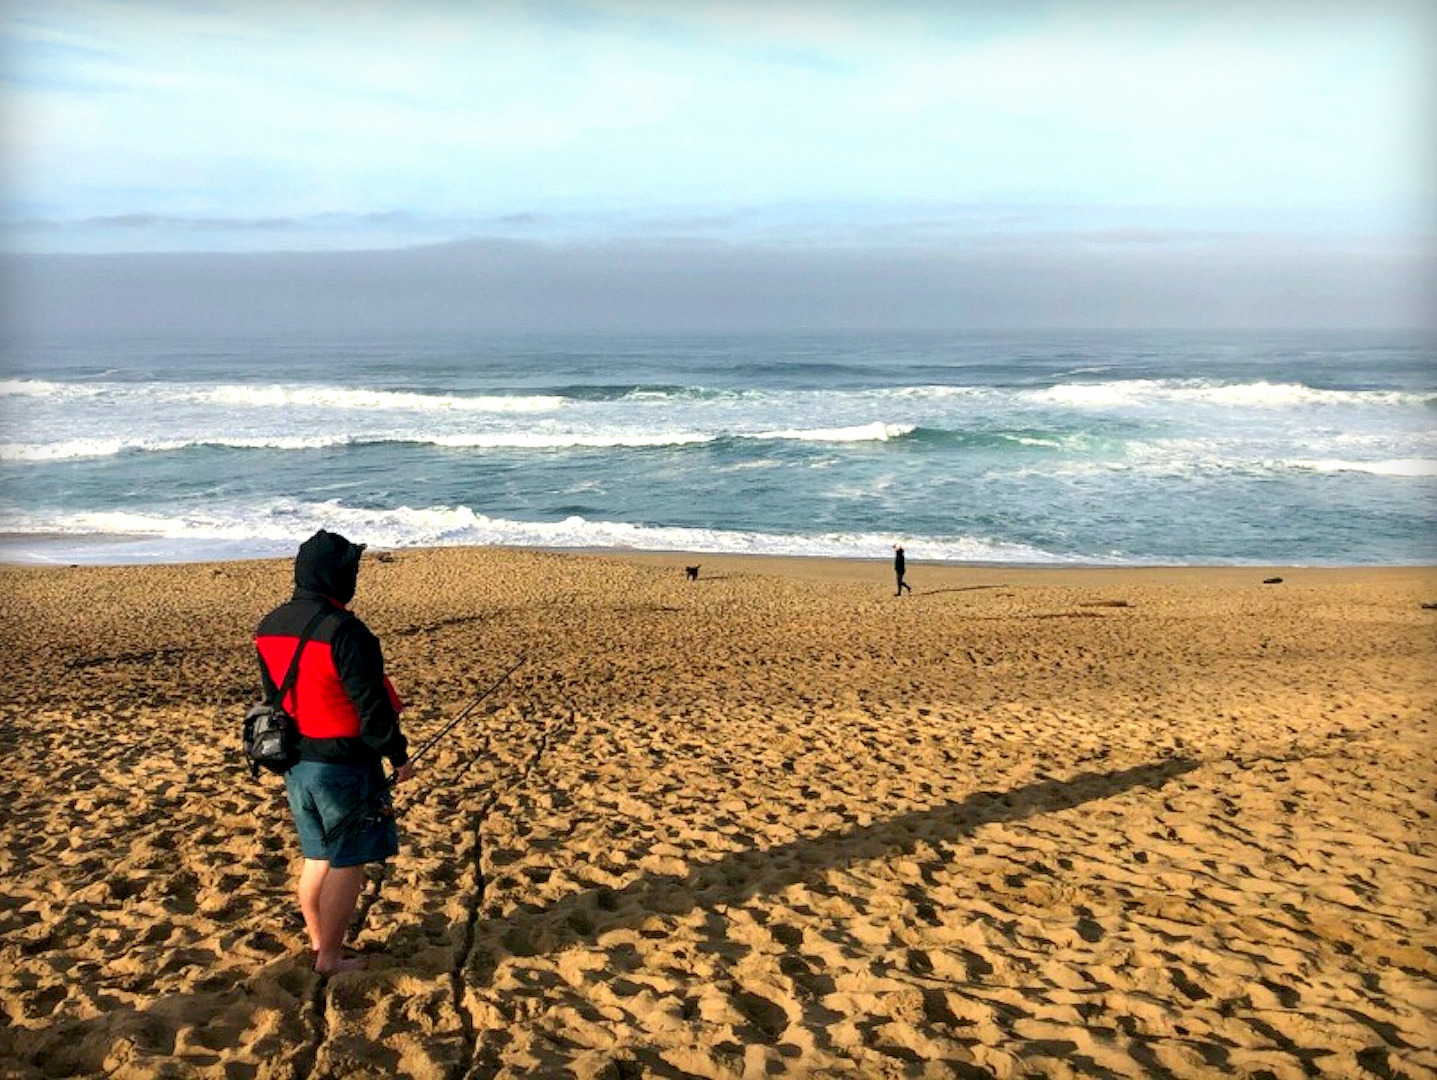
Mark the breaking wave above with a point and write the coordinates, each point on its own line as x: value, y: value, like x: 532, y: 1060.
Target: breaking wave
x: 337, y: 398
x: 269, y: 531
x: 1113, y: 393
x: 94, y: 448
x: 501, y: 440
x: 1263, y: 395
x: 874, y: 432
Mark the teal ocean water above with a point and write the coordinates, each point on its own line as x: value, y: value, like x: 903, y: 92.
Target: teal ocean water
x: 1081, y: 448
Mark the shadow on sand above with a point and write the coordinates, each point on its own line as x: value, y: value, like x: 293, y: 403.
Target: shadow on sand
x: 959, y: 588
x: 735, y: 878
x: 80, y: 1046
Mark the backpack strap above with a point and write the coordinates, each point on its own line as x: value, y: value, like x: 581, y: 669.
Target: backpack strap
x: 292, y: 675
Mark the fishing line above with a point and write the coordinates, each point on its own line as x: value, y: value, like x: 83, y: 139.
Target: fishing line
x: 365, y: 805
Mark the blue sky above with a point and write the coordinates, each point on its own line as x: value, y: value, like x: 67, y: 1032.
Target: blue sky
x: 718, y: 163
x: 228, y: 126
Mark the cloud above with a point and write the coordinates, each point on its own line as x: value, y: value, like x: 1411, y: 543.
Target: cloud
x: 494, y: 286
x: 523, y: 219
x: 235, y: 110
x: 157, y: 222
x: 160, y: 221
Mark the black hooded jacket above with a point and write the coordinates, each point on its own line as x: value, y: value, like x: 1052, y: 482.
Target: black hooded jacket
x: 346, y: 709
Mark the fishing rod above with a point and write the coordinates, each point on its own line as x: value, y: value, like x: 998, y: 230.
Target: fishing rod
x: 364, y: 805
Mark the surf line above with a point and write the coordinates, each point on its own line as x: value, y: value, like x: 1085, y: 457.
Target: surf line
x: 378, y: 802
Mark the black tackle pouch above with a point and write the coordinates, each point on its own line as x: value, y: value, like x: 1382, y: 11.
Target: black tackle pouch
x: 271, y: 739
x: 271, y: 734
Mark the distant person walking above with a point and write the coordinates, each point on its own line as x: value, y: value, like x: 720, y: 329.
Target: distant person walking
x: 899, y: 566
x: 348, y: 716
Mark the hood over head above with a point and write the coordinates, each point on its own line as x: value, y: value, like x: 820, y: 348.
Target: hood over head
x: 328, y: 563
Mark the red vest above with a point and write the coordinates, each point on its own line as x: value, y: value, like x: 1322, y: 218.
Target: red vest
x: 318, y: 701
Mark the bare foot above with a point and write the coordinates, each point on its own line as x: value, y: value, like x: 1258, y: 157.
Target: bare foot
x: 339, y: 965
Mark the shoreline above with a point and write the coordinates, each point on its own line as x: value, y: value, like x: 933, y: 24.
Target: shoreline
x: 828, y: 567
x: 816, y: 566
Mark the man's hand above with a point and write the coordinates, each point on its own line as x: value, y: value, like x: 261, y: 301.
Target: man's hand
x: 403, y: 773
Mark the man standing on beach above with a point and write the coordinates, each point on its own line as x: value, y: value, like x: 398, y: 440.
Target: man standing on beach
x: 898, y: 568
x: 348, y: 717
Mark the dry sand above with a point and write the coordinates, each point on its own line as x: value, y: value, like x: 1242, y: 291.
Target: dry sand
x: 772, y: 823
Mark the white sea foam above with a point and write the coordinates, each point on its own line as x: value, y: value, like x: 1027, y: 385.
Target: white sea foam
x: 651, y: 394
x: 280, y: 442
x: 339, y: 398
x: 39, y: 388
x: 1177, y: 463
x: 542, y: 439
x: 1399, y: 467
x: 1118, y: 392
x: 276, y: 396
x: 921, y: 392
x: 874, y: 432
x: 91, y: 448
x: 1281, y: 395
x: 1136, y: 392
x: 536, y: 440
x: 73, y: 448
x: 194, y: 526
x: 1029, y: 440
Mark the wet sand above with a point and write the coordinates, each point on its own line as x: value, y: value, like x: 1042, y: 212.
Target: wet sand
x: 771, y: 823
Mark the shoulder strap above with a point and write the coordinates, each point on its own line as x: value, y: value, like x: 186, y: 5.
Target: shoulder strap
x: 290, y: 676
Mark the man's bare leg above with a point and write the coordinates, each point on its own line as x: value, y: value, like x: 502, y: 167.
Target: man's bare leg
x: 311, y: 878
x: 327, y: 897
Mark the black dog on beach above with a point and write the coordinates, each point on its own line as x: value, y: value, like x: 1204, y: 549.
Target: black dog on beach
x: 691, y: 572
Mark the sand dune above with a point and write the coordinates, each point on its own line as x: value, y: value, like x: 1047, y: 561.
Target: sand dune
x: 775, y: 822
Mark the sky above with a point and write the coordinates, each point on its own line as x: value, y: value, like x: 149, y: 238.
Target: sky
x: 1106, y: 162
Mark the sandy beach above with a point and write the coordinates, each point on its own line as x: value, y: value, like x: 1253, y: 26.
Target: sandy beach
x: 774, y: 822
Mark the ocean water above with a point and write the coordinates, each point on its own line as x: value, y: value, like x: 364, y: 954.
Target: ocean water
x: 1081, y: 448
